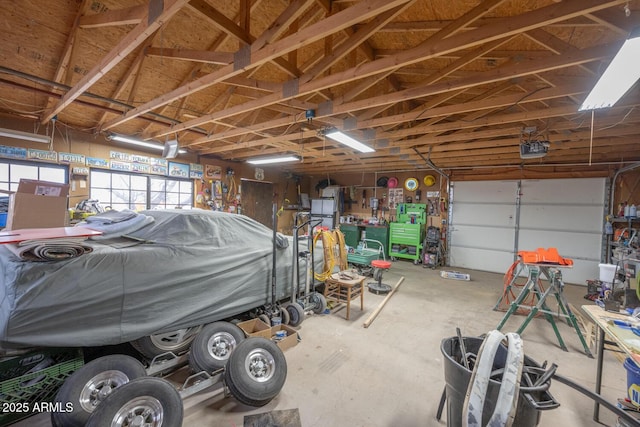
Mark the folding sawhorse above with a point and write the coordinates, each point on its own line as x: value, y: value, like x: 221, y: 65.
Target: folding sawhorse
x: 552, y: 274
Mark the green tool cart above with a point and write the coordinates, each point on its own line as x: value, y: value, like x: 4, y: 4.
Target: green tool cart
x: 407, y: 233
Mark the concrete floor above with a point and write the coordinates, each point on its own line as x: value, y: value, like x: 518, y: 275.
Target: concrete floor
x: 391, y: 374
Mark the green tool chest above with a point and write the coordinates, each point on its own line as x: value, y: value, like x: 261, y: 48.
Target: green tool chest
x: 378, y: 233
x: 351, y: 234
x: 407, y: 233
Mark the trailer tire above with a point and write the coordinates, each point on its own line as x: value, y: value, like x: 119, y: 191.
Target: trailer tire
x: 175, y: 341
x: 90, y: 385
x: 150, y: 400
x: 284, y: 315
x: 319, y: 302
x: 213, y: 345
x: 296, y: 314
x: 256, y: 371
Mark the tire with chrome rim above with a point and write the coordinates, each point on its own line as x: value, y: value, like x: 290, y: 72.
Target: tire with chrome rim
x: 213, y: 345
x: 256, y: 371
x: 143, y: 402
x: 176, y: 342
x: 90, y: 385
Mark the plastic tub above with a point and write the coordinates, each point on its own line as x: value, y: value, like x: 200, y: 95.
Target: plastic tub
x: 607, y: 272
x: 457, y: 380
x: 633, y: 381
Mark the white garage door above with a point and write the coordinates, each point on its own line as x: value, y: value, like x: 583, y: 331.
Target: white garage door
x: 483, y: 225
x: 563, y: 213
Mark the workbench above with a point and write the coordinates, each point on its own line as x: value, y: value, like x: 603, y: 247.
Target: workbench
x: 623, y: 339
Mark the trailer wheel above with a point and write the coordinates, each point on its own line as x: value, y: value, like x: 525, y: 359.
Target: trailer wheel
x: 265, y: 319
x: 148, y: 401
x: 296, y: 314
x: 256, y: 371
x: 319, y: 302
x: 284, y: 315
x: 90, y: 385
x: 213, y: 345
x: 175, y: 341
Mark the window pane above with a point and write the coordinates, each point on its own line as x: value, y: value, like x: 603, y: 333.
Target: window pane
x: 157, y: 184
x: 120, y: 181
x: 4, y: 172
x: 173, y: 185
x: 172, y: 199
x: 120, y: 206
x: 139, y: 183
x: 101, y: 195
x: 157, y: 197
x: 100, y: 179
x: 139, y: 199
x: 119, y: 196
x: 23, y: 171
x: 186, y: 187
x: 185, y: 200
x: 53, y: 175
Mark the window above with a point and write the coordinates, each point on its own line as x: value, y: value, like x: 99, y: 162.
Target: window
x: 169, y: 193
x: 138, y: 192
x: 12, y: 172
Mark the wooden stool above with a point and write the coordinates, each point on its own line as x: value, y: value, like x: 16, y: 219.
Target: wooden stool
x: 341, y: 288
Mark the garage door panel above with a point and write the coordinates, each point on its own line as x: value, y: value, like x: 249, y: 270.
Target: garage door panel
x: 576, y: 274
x: 570, y: 245
x: 485, y: 214
x: 561, y: 191
x: 493, y: 238
x: 481, y: 259
x: 557, y: 217
x: 485, y: 192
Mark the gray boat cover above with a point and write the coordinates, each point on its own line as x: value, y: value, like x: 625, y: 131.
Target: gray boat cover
x: 193, y: 267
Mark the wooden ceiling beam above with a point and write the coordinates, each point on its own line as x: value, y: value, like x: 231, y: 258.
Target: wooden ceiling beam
x: 133, y: 39
x: 512, y: 26
x: 205, y: 56
x: 129, y: 16
x: 62, y: 71
x: 353, y: 42
x: 308, y: 35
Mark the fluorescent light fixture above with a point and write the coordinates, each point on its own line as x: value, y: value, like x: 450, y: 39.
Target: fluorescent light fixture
x: 270, y: 160
x: 26, y: 136
x: 134, y: 141
x: 620, y: 75
x: 348, y: 141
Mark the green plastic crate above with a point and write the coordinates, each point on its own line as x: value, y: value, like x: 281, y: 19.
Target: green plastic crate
x: 29, y: 382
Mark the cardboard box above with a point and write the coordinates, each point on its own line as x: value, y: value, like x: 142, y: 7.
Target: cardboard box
x: 256, y: 328
x: 291, y: 339
x: 38, y: 204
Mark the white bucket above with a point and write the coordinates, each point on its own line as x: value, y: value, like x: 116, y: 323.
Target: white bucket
x: 607, y: 272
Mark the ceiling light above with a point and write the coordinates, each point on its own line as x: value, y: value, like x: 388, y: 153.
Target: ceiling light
x: 135, y: 141
x: 26, y: 136
x: 270, y: 160
x: 620, y: 75
x: 348, y: 141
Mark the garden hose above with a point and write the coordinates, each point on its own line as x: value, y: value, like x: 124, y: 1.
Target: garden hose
x: 331, y: 239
